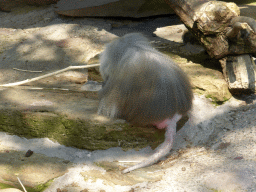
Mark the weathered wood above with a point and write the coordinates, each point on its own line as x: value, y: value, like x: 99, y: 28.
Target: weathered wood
x: 239, y: 72
x: 225, y: 35
x: 209, y: 21
x: 186, y: 9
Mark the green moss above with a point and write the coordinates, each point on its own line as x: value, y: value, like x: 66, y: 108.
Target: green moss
x: 38, y: 188
x: 206, y: 78
x: 5, y: 186
x: 78, y: 133
x: 42, y: 187
x: 216, y: 101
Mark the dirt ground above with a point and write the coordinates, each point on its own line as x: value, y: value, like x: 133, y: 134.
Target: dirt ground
x: 76, y: 150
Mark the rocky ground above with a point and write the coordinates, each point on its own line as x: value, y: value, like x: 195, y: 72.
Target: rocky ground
x: 74, y: 149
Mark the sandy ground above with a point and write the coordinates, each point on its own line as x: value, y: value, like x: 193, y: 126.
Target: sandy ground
x: 214, y: 151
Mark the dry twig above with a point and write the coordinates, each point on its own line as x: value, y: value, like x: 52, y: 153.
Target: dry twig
x: 21, y: 184
x: 48, y: 75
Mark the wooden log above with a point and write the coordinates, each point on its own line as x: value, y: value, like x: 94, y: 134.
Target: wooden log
x: 225, y: 35
x: 239, y: 72
x: 208, y: 21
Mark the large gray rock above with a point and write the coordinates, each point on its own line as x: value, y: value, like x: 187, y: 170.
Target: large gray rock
x: 113, y: 8
x: 40, y: 2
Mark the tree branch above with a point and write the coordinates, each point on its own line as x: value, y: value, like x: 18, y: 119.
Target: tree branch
x: 48, y: 75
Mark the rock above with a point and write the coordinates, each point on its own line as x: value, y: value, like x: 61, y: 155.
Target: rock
x: 36, y: 57
x: 8, y: 5
x: 213, y: 84
x: 113, y: 8
x: 40, y: 2
x: 5, y: 6
x: 72, y: 76
x: 91, y: 86
x: 205, y: 79
x: 45, y: 168
x: 10, y: 190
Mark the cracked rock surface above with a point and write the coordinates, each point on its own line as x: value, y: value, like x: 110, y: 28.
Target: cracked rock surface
x: 57, y: 120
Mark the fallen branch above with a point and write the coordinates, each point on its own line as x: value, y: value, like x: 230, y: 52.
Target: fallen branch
x: 48, y: 75
x: 21, y: 184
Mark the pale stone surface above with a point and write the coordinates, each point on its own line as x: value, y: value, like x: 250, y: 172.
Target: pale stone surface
x: 10, y: 190
x: 215, y: 150
x: 32, y: 171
